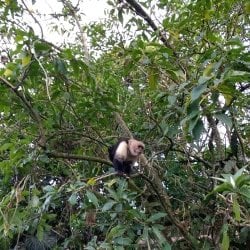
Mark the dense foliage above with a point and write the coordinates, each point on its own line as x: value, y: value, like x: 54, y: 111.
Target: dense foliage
x: 174, y: 74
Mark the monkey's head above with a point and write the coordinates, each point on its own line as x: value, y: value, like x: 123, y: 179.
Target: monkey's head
x: 135, y: 147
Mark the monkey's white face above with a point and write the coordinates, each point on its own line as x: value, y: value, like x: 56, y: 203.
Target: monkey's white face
x: 135, y: 147
x: 139, y: 150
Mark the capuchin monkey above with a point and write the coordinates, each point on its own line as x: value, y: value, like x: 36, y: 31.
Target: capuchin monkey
x: 124, y: 154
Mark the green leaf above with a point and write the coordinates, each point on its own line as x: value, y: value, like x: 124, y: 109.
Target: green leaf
x: 108, y: 205
x: 116, y: 231
x: 91, y: 181
x: 41, y: 47
x: 123, y: 241
x: 152, y: 78
x: 245, y: 193
x: 8, y: 72
x: 151, y: 49
x: 239, y: 173
x: 224, y: 187
x: 166, y: 246
x: 236, y: 209
x: 104, y: 245
x: 92, y: 198
x: 243, y: 180
x: 73, y: 199
x: 26, y: 60
x: 172, y: 100
x: 225, y: 119
x: 237, y: 76
x: 192, y: 123
x: 198, y: 91
x: 173, y: 74
x: 60, y: 66
x: 44, y: 158
x: 227, y: 89
x: 160, y: 237
x: 113, y: 194
x: 120, y: 15
x: 6, y: 146
x: 247, y: 7
x: 145, y: 232
x: 156, y: 217
x: 48, y: 189
x: 208, y: 70
x: 198, y: 129
x: 232, y: 182
x: 158, y: 233
x: 225, y: 239
x: 34, y: 202
x: 227, y: 177
x: 135, y: 214
x: 203, y: 79
x: 40, y: 232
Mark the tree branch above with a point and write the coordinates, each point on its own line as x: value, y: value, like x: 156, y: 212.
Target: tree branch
x: 33, y: 113
x: 53, y: 154
x: 34, y: 18
x: 72, y: 11
x: 140, y: 11
x: 217, y: 139
x: 197, y: 158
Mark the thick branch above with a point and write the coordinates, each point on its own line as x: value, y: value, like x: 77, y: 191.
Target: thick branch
x: 78, y: 157
x: 140, y: 11
x: 217, y: 139
x: 122, y: 124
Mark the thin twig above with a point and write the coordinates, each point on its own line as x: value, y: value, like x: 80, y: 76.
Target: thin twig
x: 47, y: 78
x: 35, y: 19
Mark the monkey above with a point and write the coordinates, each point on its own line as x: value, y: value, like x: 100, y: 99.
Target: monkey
x: 124, y: 155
